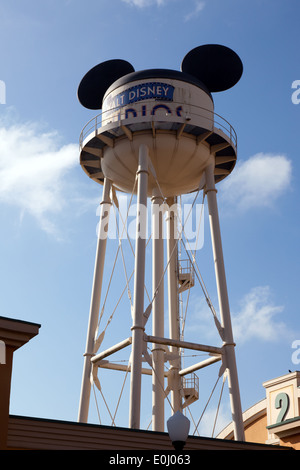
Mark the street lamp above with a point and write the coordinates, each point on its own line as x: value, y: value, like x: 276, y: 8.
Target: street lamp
x: 178, y: 428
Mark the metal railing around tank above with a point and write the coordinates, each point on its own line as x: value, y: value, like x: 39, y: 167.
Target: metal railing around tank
x: 214, y: 120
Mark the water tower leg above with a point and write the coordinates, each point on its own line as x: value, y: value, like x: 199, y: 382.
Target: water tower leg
x: 139, y: 280
x: 158, y: 395
x: 95, y: 303
x: 224, y: 305
x: 174, y: 327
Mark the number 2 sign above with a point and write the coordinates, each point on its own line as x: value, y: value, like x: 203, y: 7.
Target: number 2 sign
x: 282, y: 402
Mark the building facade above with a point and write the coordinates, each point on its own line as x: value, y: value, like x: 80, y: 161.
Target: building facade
x: 275, y: 420
x: 264, y: 430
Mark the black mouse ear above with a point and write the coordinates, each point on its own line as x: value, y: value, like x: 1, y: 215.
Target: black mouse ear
x: 96, y: 81
x: 218, y: 67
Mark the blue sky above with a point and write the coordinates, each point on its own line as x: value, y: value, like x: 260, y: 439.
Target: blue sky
x: 48, y: 205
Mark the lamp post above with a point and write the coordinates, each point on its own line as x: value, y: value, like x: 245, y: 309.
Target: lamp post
x: 178, y: 428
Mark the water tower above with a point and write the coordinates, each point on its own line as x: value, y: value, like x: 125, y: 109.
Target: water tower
x: 159, y: 137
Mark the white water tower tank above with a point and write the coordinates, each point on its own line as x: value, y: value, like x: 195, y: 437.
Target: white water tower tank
x: 171, y: 112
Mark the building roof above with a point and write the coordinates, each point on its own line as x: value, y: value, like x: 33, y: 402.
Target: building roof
x: 49, y: 434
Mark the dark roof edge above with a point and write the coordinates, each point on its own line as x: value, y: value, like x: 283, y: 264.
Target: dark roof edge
x: 51, y: 420
x: 25, y: 322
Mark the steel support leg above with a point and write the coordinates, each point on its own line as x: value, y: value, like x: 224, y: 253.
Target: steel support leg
x: 158, y: 395
x: 95, y: 302
x: 224, y: 304
x: 139, y: 280
x: 174, y: 326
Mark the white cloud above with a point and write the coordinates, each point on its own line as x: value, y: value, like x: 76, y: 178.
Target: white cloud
x: 257, y: 318
x: 257, y: 182
x: 199, y: 5
x: 144, y: 3
x: 33, y: 166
